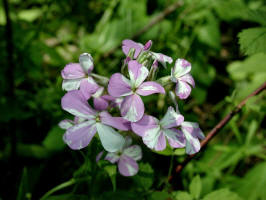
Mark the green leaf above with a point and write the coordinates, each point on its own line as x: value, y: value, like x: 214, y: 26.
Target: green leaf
x: 111, y: 171
x: 144, y: 178
x: 30, y: 15
x: 258, y: 16
x: 68, y: 197
x: 222, y: 194
x: 54, y: 139
x: 182, y: 195
x: 195, y: 187
x: 159, y: 196
x: 252, y: 40
x: 252, y: 185
x: 23, y: 186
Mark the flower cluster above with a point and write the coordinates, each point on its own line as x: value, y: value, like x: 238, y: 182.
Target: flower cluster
x: 121, y: 94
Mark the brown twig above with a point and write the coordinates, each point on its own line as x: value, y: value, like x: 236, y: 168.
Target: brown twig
x: 218, y: 127
x: 153, y: 22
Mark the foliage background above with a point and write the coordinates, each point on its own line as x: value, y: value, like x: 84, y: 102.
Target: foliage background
x: 225, y: 40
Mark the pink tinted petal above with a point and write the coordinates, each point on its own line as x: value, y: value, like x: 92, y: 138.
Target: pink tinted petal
x: 147, y: 122
x: 116, y: 122
x: 163, y: 59
x: 127, y: 166
x: 99, y: 156
x: 71, y: 84
x: 181, y: 68
x: 188, y: 78
x: 100, y: 103
x: 66, y: 123
x: 72, y: 71
x: 112, y: 157
x: 147, y: 46
x: 129, y: 44
x: 119, y: 86
x: 137, y: 73
x: 171, y: 119
x: 150, y: 87
x: 80, y: 135
x: 133, y: 151
x: 75, y: 103
x: 194, y: 129
x: 161, y: 143
x: 182, y: 90
x: 88, y: 87
x: 132, y: 108
x: 175, y: 138
x: 86, y: 62
x: 154, y: 138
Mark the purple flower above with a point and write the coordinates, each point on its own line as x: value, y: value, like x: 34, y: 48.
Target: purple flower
x: 79, y: 135
x: 75, y: 76
x: 180, y: 75
x: 129, y: 44
x: 132, y: 107
x: 154, y: 132
x: 126, y: 158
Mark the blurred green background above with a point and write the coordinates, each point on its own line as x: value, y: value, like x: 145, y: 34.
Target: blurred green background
x: 225, y: 40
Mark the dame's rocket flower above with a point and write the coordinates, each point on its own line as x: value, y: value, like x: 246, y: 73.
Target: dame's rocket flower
x: 132, y: 107
x: 126, y: 158
x: 79, y: 135
x: 76, y: 75
x: 181, y: 76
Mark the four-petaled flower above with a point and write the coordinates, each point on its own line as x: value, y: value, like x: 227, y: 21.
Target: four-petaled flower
x: 76, y: 75
x: 126, y: 158
x: 80, y: 134
x: 132, y: 107
x: 181, y: 76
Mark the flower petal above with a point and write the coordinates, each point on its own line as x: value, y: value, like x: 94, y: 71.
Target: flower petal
x: 182, y: 89
x: 144, y: 124
x: 88, y: 87
x: 119, y: 86
x: 75, y: 103
x: 154, y: 139
x: 188, y: 78
x: 194, y: 129
x: 100, y: 103
x: 112, y: 157
x: 163, y: 59
x: 111, y: 140
x: 86, y: 62
x: 132, y: 108
x: 80, y: 135
x: 127, y: 166
x: 129, y: 44
x: 181, y: 68
x: 71, y: 84
x: 116, y: 122
x: 99, y: 156
x: 66, y: 123
x: 150, y: 87
x: 72, y: 71
x: 171, y: 119
x: 133, y: 152
x: 175, y: 138
x: 137, y: 73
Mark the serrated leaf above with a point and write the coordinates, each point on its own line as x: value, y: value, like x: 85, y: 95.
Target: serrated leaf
x: 258, y: 16
x: 222, y: 194
x: 195, y: 187
x: 252, y: 40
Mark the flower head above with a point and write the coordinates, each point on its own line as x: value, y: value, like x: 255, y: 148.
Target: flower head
x: 181, y: 76
x: 132, y: 107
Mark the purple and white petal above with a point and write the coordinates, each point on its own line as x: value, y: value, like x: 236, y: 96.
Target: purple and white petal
x: 132, y: 108
x: 72, y: 71
x: 163, y: 59
x: 66, y: 123
x: 150, y: 87
x: 111, y: 140
x: 181, y: 68
x: 133, y: 152
x: 154, y: 139
x: 80, y: 135
x: 193, y: 128
x: 146, y: 123
x: 119, y: 86
x: 100, y: 103
x: 175, y: 138
x: 137, y: 73
x: 171, y: 119
x: 182, y: 89
x: 88, y: 87
x: 112, y: 157
x: 75, y: 103
x: 188, y: 78
x: 86, y: 62
x: 147, y: 46
x: 116, y: 122
x: 71, y: 84
x: 127, y: 166
x: 99, y: 156
x: 129, y: 44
